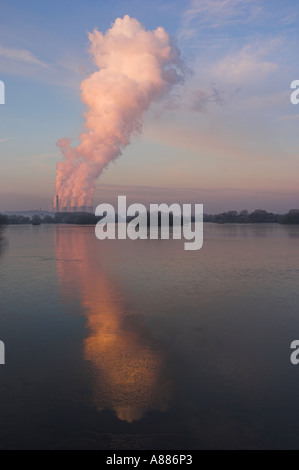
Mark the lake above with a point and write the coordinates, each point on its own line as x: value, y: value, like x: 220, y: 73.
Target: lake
x: 141, y: 345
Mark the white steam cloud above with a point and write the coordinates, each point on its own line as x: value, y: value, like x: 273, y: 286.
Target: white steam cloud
x: 135, y: 68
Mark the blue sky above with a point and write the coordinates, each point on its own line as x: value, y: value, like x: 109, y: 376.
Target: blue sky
x: 227, y: 137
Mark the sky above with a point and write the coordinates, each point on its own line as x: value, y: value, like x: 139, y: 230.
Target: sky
x: 225, y: 137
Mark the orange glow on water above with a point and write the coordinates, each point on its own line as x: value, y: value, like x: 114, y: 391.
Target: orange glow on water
x: 127, y: 364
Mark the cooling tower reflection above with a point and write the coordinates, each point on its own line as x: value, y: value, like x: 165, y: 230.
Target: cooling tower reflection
x: 126, y: 362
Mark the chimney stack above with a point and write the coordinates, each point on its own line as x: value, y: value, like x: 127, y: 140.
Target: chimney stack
x: 57, y: 204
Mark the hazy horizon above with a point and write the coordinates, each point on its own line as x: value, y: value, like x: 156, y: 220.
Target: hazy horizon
x: 148, y: 195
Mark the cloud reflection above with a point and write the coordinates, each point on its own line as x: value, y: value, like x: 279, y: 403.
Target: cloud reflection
x: 127, y: 363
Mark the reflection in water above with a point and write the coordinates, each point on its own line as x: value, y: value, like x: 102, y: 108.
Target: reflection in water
x: 3, y: 243
x: 1, y: 247
x: 126, y: 362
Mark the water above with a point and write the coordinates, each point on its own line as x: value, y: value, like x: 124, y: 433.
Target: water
x: 141, y: 345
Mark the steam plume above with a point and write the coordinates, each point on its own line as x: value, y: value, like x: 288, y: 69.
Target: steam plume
x: 135, y: 68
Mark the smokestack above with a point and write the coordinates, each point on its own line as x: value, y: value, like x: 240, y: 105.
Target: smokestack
x: 57, y: 204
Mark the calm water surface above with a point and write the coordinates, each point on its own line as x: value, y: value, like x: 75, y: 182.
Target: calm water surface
x: 141, y: 345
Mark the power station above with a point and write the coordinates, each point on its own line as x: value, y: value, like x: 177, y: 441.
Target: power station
x: 73, y: 209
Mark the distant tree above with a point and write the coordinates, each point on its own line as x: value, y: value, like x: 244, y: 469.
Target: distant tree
x: 3, y: 223
x: 18, y: 220
x: 291, y: 218
x: 231, y: 217
x: 78, y: 218
x: 36, y: 220
x: 85, y: 219
x: 3, y: 220
x: 243, y: 217
x: 258, y: 217
x: 48, y: 220
x: 206, y: 218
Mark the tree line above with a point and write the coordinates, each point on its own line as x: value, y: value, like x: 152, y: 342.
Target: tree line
x: 230, y: 217
x: 256, y: 217
x: 3, y: 223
